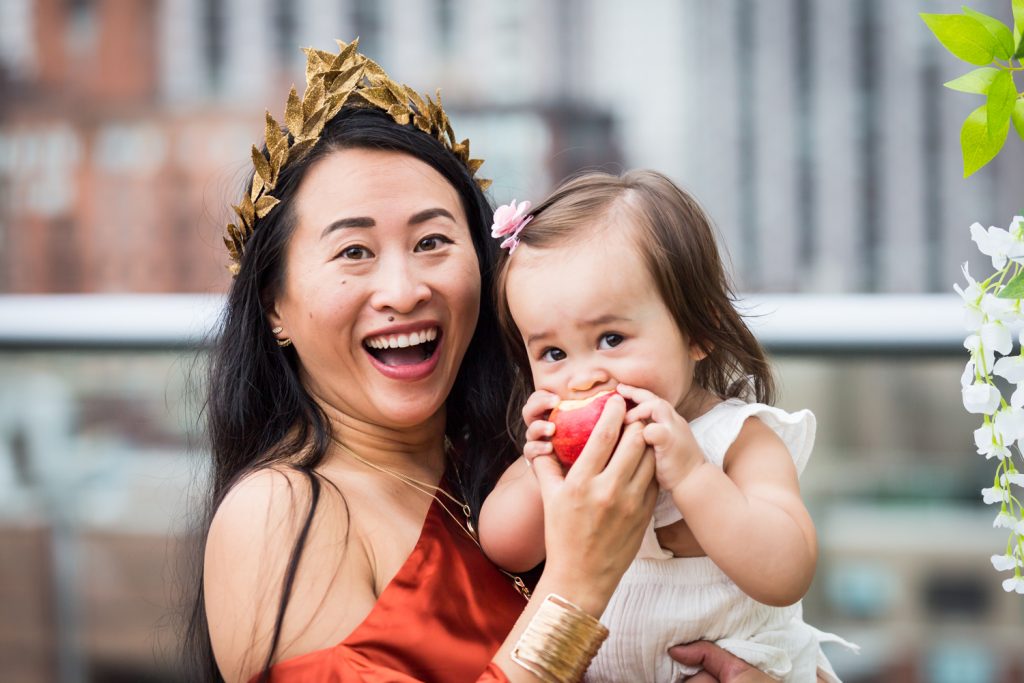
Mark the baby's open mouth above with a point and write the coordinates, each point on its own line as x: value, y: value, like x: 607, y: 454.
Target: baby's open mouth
x: 403, y: 349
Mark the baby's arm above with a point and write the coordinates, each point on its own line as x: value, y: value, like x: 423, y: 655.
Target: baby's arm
x: 512, y: 520
x: 512, y: 516
x: 748, y: 516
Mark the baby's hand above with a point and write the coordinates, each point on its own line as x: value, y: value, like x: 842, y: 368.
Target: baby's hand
x: 538, y: 429
x: 676, y: 452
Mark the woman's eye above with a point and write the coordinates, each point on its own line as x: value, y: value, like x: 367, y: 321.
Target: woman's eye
x: 432, y: 242
x: 355, y: 253
x: 609, y: 341
x: 552, y: 354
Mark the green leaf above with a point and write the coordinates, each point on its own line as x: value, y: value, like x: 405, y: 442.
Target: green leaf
x: 1014, y: 289
x: 966, y: 37
x: 977, y: 81
x: 1018, y: 117
x: 1018, y: 27
x: 1001, y: 32
x: 1000, y: 102
x: 977, y: 145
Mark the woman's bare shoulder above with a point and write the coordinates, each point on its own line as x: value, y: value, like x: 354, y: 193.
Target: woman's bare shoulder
x: 248, y: 551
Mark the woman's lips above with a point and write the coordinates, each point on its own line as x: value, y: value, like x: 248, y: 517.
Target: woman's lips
x: 406, y: 363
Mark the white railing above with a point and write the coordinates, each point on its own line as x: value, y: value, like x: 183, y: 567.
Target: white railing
x: 797, y: 323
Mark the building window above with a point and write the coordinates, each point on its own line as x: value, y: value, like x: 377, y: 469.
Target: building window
x: 284, y: 28
x: 213, y: 41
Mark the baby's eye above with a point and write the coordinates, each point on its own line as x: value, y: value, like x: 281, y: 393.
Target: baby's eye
x: 610, y: 340
x: 552, y: 354
x: 432, y: 242
x: 355, y: 253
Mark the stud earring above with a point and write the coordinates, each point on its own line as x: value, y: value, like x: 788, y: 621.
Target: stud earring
x: 281, y: 342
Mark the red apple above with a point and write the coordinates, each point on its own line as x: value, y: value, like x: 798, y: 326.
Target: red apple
x: 574, y: 420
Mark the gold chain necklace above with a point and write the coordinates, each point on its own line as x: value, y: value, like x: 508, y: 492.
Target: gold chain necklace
x: 432, y: 491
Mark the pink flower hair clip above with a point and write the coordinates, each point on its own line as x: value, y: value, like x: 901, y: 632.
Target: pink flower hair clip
x: 509, y: 221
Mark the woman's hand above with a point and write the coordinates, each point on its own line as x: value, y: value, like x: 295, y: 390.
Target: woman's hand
x: 676, y: 451
x: 724, y: 666
x: 538, y: 429
x: 595, y: 516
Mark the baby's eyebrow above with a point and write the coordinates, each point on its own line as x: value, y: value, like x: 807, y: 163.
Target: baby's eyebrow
x: 538, y: 337
x: 606, y: 319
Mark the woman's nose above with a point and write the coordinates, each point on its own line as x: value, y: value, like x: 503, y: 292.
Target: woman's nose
x: 399, y: 287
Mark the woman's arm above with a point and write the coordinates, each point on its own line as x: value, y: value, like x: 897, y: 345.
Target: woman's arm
x: 247, y: 555
x: 749, y: 517
x: 594, y: 520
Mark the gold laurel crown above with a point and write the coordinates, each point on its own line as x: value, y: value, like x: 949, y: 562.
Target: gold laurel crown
x: 332, y: 80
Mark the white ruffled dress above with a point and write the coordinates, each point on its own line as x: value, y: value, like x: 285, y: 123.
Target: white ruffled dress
x: 664, y: 601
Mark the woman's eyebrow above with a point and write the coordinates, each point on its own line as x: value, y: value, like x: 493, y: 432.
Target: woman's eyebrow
x: 356, y: 222
x: 367, y: 222
x: 427, y: 214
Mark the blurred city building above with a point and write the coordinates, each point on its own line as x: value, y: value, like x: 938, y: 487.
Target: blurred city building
x: 815, y: 131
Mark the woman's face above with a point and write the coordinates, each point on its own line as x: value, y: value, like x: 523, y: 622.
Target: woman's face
x: 382, y: 286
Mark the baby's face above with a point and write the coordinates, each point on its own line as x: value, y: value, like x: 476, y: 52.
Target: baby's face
x: 590, y: 316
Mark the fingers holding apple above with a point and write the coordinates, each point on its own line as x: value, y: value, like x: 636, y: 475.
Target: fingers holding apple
x: 538, y: 429
x: 676, y: 451
x: 538, y: 405
x: 537, y: 443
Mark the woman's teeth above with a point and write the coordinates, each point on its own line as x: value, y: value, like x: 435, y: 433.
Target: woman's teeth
x: 401, y: 341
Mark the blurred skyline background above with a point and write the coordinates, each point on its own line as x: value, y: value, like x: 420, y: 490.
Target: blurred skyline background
x: 815, y: 132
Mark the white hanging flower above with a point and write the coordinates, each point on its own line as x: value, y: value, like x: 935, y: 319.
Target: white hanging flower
x: 994, y: 494
x: 997, y: 243
x: 1009, y: 423
x: 981, y: 398
x: 981, y: 354
x: 972, y: 296
x: 1004, y: 520
x: 988, y: 319
x: 1004, y: 563
x: 987, y: 442
x: 1015, y: 478
x: 1017, y: 227
x: 997, y: 309
x: 996, y: 337
x: 1017, y: 397
x: 968, y: 376
x: 1011, y: 368
x: 1015, y: 583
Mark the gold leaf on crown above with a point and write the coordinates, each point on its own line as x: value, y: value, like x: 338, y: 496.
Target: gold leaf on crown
x: 332, y: 80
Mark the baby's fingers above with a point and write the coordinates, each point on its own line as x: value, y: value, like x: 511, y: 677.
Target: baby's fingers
x: 539, y: 430
x: 534, y: 449
x: 539, y: 405
x: 635, y: 394
x: 657, y: 435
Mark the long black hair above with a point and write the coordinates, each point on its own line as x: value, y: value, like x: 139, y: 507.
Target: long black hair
x: 258, y: 413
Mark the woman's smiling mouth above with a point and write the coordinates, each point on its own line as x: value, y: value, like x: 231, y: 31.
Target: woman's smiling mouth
x: 404, y: 349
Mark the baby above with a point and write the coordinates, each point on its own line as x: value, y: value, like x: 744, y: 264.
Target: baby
x: 616, y: 283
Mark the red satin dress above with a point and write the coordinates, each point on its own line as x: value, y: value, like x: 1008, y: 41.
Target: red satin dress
x: 441, y: 619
